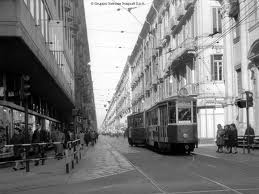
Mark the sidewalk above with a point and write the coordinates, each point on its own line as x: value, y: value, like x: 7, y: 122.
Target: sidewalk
x: 97, y: 162
x: 53, y: 172
x: 209, y: 150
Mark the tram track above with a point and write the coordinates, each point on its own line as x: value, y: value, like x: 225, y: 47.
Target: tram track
x: 194, y: 169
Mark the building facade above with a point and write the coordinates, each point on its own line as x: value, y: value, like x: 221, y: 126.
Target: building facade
x: 120, y: 106
x: 84, y: 96
x: 178, y: 52
x: 37, y: 40
x: 240, y: 20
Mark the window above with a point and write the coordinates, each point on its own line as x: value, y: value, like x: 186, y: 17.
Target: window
x: 42, y: 17
x: 217, y: 26
x: 32, y: 8
x: 194, y: 112
x: 216, y: 68
x: 236, y: 31
x: 184, y: 115
x: 37, y: 14
x: 239, y: 81
x: 172, y: 112
x: 171, y: 85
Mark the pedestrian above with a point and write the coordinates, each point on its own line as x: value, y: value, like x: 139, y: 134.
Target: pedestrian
x: 44, y: 138
x: 35, y: 141
x: 234, y: 137
x: 226, y: 138
x: 92, y: 135
x: 54, y: 137
x: 67, y: 139
x: 19, y: 152
x: 81, y: 137
x: 61, y: 139
x: 220, y: 138
x: 87, y: 138
x: 249, y: 136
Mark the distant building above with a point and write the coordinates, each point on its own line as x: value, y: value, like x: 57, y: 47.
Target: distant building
x: 84, y: 95
x: 120, y: 106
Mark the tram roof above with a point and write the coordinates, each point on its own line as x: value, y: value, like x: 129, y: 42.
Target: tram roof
x: 174, y: 98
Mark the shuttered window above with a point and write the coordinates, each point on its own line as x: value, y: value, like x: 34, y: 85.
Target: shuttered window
x: 216, y: 20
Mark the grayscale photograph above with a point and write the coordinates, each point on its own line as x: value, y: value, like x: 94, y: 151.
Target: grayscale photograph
x: 129, y: 96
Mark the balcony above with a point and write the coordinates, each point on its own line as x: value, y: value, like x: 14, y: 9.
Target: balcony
x: 185, y: 50
x: 188, y: 3
x: 180, y: 12
x: 234, y: 8
x: 173, y: 23
x: 190, y: 89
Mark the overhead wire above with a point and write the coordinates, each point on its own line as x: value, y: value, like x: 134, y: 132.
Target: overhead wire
x: 106, y: 30
x: 227, y: 31
x: 129, y: 12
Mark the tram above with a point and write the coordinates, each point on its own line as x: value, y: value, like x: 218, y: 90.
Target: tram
x: 170, y: 125
x: 136, y: 129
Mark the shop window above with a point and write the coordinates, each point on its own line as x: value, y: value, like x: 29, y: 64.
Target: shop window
x: 1, y: 86
x: 5, y: 131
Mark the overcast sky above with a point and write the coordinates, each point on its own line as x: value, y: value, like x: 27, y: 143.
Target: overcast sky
x: 105, y: 21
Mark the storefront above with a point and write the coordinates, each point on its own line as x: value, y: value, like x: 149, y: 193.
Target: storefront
x: 11, y: 118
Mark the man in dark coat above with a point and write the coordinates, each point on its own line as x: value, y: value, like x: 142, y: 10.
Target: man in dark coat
x: 19, y: 152
x: 35, y: 140
x: 87, y: 138
x: 249, y: 136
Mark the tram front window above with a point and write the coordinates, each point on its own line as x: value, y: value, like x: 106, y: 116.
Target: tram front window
x: 184, y: 115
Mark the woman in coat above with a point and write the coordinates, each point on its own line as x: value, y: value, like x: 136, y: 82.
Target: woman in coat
x: 220, y: 138
x: 234, y: 137
x: 227, y: 143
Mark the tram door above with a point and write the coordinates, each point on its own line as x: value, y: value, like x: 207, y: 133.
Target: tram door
x: 163, y: 123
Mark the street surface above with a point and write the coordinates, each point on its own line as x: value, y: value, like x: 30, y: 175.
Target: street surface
x: 113, y: 167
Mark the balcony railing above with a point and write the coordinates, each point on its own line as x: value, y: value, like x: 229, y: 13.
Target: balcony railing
x: 189, y: 44
x: 191, y: 89
x: 188, y: 3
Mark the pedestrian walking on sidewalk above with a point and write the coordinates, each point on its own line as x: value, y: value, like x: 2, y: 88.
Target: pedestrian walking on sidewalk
x: 60, y: 150
x: 81, y: 137
x: 220, y: 138
x: 234, y: 137
x: 35, y: 140
x: 19, y: 151
x: 249, y: 136
x: 87, y: 138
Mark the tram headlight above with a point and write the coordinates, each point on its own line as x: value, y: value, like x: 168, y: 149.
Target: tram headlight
x: 185, y: 135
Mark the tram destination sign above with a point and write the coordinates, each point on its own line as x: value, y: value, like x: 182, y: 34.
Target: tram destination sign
x: 184, y: 103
